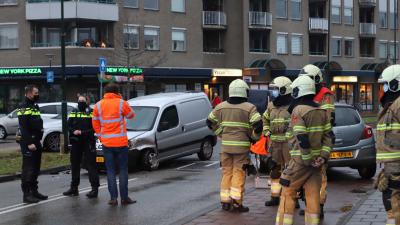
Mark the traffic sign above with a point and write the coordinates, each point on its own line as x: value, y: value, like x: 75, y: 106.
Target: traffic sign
x: 50, y: 76
x: 102, y: 65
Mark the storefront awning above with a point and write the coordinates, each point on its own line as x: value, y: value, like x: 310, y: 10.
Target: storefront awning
x: 376, y: 67
x: 273, y: 64
x: 287, y: 73
x: 324, y: 65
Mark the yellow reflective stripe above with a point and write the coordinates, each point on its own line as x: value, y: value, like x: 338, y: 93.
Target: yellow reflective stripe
x: 236, y: 143
x: 255, y: 118
x: 306, y: 156
x: 391, y: 126
x: 312, y: 129
x: 295, y: 153
x: 326, y: 149
x: 80, y: 115
x: 311, y: 219
x: 280, y: 120
x: 328, y: 106
x: 388, y: 155
x: 212, y: 117
x: 390, y: 222
x: 287, y: 219
x: 235, y: 124
x: 218, y: 131
x: 224, y: 195
x: 266, y: 127
x: 278, y: 137
x: 327, y: 127
x: 236, y: 194
x: 25, y: 112
x: 289, y: 134
x: 299, y: 129
x: 266, y: 116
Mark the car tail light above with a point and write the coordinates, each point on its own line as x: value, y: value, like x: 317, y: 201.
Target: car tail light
x: 367, y: 132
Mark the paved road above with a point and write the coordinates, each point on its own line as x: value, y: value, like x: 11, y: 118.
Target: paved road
x: 8, y: 145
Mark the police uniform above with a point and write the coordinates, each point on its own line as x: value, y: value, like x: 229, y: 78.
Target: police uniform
x: 31, y: 131
x: 238, y: 124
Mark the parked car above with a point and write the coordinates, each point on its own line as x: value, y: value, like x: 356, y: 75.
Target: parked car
x: 167, y: 126
x: 9, y: 123
x: 355, y: 142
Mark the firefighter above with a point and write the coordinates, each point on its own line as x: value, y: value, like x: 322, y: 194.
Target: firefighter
x: 388, y: 144
x: 310, y: 146
x: 239, y: 124
x: 81, y: 136
x: 325, y: 98
x: 276, y: 121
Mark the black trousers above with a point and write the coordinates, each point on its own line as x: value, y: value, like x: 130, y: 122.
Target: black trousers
x: 31, y: 161
x: 84, y: 149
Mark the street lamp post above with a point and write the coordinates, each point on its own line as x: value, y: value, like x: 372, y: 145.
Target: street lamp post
x: 64, y: 138
x: 328, y: 67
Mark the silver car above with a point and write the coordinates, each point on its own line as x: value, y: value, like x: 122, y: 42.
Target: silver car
x: 355, y: 142
x: 167, y: 126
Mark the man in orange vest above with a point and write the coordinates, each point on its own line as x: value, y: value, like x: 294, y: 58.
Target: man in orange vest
x: 110, y: 127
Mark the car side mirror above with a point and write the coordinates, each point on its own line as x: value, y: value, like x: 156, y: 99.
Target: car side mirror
x: 10, y: 116
x: 164, y: 125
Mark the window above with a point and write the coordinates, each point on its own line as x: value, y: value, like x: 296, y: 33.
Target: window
x: 344, y: 93
x: 349, y: 47
x: 169, y: 119
x: 281, y: 8
x: 383, y: 20
x: 366, y: 100
x: 281, y: 44
x: 131, y: 36
x: 151, y: 4
x: 335, y: 17
x: 297, y: 44
x: 48, y: 109
x: 152, y: 38
x: 392, y: 16
x: 383, y: 50
x: 295, y: 9
x: 392, y: 50
x: 8, y: 36
x: 178, y: 5
x: 131, y: 3
x: 336, y: 46
x: 258, y: 41
x: 348, y: 12
x: 178, y: 40
x: 8, y: 2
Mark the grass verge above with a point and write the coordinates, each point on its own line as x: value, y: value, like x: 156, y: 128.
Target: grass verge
x: 371, y: 119
x: 10, y: 163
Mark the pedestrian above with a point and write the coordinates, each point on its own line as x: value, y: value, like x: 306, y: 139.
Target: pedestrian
x: 276, y: 121
x: 109, y: 124
x: 325, y: 98
x: 31, y: 132
x: 82, y: 139
x: 216, y: 100
x: 388, y: 144
x: 239, y: 124
x: 310, y: 147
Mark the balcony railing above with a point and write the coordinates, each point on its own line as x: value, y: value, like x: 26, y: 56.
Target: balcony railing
x: 367, y: 29
x: 71, y: 44
x: 260, y: 19
x: 318, y: 25
x: 214, y: 18
x: 367, y: 3
x: 93, y: 1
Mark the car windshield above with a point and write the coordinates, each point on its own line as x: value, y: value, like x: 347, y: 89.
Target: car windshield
x: 144, y: 118
x: 346, y: 116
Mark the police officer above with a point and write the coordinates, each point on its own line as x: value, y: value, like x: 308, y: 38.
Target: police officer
x: 388, y: 144
x: 239, y: 124
x: 310, y: 147
x: 30, y: 132
x: 81, y: 136
x: 276, y: 121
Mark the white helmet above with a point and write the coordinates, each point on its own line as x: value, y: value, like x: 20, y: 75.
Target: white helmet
x: 238, y: 88
x: 303, y: 85
x: 282, y: 84
x: 313, y: 72
x: 391, y: 77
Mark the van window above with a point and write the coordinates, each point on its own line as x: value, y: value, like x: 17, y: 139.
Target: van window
x: 48, y: 109
x: 170, y: 115
x: 194, y: 110
x: 345, y: 116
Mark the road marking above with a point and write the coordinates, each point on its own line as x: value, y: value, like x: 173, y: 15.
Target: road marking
x: 191, y: 164
x: 51, y: 199
x: 211, y: 164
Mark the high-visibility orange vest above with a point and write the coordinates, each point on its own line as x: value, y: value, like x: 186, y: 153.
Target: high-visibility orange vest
x: 259, y: 147
x: 109, y: 120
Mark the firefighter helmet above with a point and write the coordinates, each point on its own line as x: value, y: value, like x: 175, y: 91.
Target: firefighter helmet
x: 238, y: 88
x: 303, y: 85
x: 313, y: 72
x: 282, y: 84
x: 391, y: 77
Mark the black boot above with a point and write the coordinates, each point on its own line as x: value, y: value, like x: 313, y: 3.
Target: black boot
x: 93, y: 193
x: 302, y: 212
x: 240, y: 208
x: 30, y: 199
x: 273, y: 202
x: 73, y: 191
x: 226, y: 206
x: 322, y: 214
x: 39, y: 196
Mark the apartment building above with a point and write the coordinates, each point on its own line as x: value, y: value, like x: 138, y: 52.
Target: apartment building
x: 195, y: 44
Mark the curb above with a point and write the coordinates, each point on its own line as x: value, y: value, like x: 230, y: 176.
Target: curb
x: 54, y: 170
x: 345, y: 219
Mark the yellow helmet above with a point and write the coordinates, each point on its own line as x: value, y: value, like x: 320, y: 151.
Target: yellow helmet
x: 282, y: 84
x: 391, y: 77
x: 238, y: 88
x: 303, y: 85
x: 313, y: 72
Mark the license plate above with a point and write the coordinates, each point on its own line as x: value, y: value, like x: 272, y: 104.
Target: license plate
x: 341, y: 155
x: 100, y: 159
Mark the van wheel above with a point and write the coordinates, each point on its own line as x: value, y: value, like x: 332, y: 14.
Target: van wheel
x: 52, y: 142
x: 367, y: 172
x: 149, y: 160
x: 3, y: 133
x: 206, y: 150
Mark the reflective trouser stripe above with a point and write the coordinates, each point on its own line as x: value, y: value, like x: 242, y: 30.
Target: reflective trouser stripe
x: 278, y: 138
x: 388, y: 155
x: 236, y: 143
x: 224, y: 194
x: 311, y: 219
x: 386, y: 127
x: 287, y: 219
x: 236, y: 194
x: 390, y: 222
x: 275, y: 187
x: 218, y: 131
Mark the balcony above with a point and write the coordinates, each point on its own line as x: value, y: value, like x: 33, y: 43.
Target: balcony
x: 105, y: 10
x: 318, y: 25
x: 260, y: 20
x: 367, y: 3
x: 367, y: 29
x: 214, y: 19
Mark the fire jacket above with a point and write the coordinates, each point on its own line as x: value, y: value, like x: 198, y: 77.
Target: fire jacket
x: 81, y: 121
x: 236, y: 125
x: 30, y: 123
x: 276, y: 121
x: 109, y: 120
